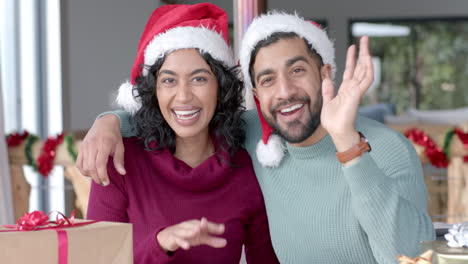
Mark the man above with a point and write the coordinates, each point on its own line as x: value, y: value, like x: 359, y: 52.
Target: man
x: 338, y: 188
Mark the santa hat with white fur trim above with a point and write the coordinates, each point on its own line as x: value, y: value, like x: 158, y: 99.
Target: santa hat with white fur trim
x: 173, y: 27
x: 270, y: 149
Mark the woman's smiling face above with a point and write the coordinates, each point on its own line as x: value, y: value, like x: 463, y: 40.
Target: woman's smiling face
x: 187, y: 92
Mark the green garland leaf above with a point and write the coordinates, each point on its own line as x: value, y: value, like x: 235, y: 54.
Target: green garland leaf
x: 30, y: 140
x: 448, y: 138
x: 70, y: 146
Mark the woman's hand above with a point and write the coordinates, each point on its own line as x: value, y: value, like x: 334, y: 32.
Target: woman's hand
x: 191, y: 233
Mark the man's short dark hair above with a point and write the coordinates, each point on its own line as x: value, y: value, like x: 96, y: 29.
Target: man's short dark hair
x: 273, y: 38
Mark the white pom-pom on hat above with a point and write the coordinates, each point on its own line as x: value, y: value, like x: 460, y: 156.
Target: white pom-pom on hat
x: 271, y: 153
x: 126, y: 98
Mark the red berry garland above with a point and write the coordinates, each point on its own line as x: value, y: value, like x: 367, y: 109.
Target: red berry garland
x: 462, y: 136
x: 15, y: 139
x: 464, y: 139
x: 45, y: 161
x: 435, y: 154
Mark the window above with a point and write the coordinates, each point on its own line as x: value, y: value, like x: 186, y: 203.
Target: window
x: 31, y: 82
x: 420, y: 64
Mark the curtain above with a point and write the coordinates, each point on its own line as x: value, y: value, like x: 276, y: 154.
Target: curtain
x: 6, y: 201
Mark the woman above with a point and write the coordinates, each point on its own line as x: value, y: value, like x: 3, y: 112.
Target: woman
x: 189, y: 190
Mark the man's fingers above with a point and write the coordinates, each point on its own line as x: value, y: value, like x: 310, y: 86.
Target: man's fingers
x: 367, y: 82
x: 79, y: 162
x: 101, y: 165
x: 360, y: 71
x: 365, y: 59
x: 119, y: 158
x: 328, y: 91
x: 350, y: 63
x: 89, y: 159
x: 364, y: 47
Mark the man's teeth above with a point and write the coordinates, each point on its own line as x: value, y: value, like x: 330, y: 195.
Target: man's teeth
x: 184, y: 115
x: 292, y: 108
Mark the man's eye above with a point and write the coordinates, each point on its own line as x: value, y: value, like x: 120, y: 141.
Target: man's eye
x: 267, y: 80
x: 298, y: 70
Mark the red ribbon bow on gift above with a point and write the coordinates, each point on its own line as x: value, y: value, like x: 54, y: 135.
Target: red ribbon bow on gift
x: 38, y: 220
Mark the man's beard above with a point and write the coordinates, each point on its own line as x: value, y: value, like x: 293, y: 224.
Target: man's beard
x: 306, y: 129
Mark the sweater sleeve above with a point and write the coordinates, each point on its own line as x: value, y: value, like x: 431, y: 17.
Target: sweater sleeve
x: 110, y: 203
x: 389, y: 199
x: 258, y: 247
x: 127, y: 127
x: 148, y: 250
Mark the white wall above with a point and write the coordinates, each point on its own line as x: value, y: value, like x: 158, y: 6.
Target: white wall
x: 100, y: 40
x: 338, y: 13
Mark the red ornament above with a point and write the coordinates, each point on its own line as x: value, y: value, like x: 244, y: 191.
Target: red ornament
x: 15, y: 139
x: 45, y: 161
x: 462, y: 136
x: 435, y: 154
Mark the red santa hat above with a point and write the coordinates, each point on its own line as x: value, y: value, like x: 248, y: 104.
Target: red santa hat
x: 271, y: 148
x: 173, y: 27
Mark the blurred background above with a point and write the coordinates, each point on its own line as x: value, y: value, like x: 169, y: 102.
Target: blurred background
x: 61, y: 63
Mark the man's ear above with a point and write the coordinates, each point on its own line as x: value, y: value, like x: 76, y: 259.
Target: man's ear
x: 326, y: 72
x: 254, y: 92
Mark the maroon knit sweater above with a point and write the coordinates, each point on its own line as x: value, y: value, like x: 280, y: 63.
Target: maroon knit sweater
x: 159, y: 191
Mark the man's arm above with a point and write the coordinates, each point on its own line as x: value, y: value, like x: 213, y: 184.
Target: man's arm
x: 126, y: 125
x: 104, y: 139
x: 389, y: 198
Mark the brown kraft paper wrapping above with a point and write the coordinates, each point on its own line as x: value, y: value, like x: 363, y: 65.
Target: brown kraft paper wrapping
x: 100, y: 242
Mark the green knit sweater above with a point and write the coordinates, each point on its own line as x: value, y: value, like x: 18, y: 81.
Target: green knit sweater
x: 322, y: 212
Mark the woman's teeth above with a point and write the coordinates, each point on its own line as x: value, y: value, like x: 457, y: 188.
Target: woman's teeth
x: 185, y: 115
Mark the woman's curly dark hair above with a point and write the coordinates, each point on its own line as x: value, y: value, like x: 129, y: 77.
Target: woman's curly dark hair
x: 225, y: 126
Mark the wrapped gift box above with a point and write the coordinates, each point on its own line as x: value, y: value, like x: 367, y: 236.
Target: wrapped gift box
x: 100, y: 242
x: 444, y: 254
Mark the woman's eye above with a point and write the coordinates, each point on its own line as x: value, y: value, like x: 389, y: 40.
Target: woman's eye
x: 199, y: 79
x: 168, y: 80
